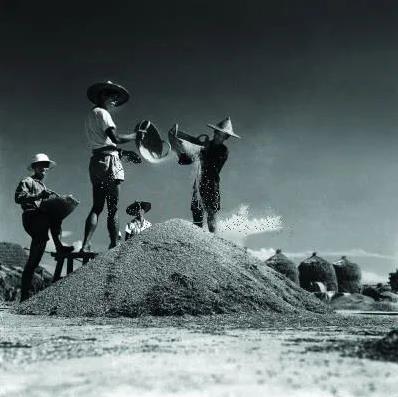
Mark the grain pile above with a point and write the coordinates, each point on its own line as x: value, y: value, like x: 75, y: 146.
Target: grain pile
x: 283, y: 265
x: 172, y: 268
x: 316, y: 269
x: 349, y: 276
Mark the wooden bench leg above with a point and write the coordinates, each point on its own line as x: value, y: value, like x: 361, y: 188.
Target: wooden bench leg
x: 58, y: 269
x: 69, y: 265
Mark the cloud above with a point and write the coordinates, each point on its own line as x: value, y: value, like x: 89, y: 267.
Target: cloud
x: 66, y: 233
x: 373, y: 278
x: 77, y: 245
x: 262, y: 254
x: 238, y: 226
x: 50, y: 247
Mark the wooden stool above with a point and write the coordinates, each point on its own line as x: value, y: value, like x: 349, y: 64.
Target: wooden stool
x: 60, y: 259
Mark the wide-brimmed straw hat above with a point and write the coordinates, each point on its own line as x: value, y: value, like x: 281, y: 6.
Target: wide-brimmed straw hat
x: 41, y: 158
x: 94, y: 91
x: 224, y: 126
x: 134, y: 208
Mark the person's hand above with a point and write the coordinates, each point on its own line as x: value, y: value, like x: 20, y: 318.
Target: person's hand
x: 44, y: 194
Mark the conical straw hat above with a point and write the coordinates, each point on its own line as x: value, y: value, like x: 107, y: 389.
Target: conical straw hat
x: 224, y: 126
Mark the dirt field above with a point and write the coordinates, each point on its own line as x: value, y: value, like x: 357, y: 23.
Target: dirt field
x: 187, y: 356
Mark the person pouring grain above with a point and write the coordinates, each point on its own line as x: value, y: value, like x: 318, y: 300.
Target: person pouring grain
x: 210, y: 160
x: 30, y: 194
x: 105, y: 169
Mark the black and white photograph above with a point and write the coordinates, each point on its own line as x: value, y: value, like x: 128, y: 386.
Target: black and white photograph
x: 199, y: 198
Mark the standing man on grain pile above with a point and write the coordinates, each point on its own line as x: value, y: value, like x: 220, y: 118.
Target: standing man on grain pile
x: 106, y: 170
x: 206, y: 189
x: 30, y: 193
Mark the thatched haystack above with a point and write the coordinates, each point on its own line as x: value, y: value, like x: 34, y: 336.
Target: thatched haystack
x: 316, y: 269
x: 12, y: 255
x: 393, y: 280
x: 12, y: 261
x: 283, y: 265
x: 173, y: 268
x: 349, y: 276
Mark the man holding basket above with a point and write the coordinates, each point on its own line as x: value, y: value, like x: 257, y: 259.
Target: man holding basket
x: 32, y: 195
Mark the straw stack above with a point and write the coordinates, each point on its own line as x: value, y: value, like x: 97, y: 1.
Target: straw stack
x: 283, y: 265
x: 349, y: 276
x: 316, y: 269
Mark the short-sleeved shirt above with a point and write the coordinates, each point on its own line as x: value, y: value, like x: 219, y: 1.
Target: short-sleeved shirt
x: 136, y: 227
x: 97, y: 122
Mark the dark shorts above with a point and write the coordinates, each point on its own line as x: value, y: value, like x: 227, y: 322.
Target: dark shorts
x: 105, y: 170
x: 37, y: 224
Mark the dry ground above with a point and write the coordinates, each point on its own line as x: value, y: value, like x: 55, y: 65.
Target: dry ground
x: 191, y: 356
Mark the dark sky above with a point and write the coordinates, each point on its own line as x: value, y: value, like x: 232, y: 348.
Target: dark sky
x: 311, y: 86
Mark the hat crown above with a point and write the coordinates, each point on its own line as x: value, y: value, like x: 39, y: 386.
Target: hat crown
x: 225, y: 124
x: 39, y: 157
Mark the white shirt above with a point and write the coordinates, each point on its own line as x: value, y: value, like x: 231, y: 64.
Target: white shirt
x: 136, y: 227
x: 97, y: 122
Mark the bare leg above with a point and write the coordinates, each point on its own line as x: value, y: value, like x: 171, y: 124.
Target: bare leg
x: 197, y: 216
x: 212, y: 221
x: 112, y: 200
x: 36, y: 253
x: 92, y: 219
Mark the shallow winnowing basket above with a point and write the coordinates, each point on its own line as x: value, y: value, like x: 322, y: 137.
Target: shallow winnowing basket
x: 59, y: 207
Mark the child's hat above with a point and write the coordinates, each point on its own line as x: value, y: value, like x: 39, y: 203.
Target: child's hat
x: 134, y: 208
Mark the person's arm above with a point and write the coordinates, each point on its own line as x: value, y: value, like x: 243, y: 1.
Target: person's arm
x: 117, y: 138
x: 23, y: 194
x: 109, y: 127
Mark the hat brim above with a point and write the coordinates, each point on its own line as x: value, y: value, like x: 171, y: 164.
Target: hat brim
x: 133, y: 209
x: 231, y: 133
x: 94, y: 91
x: 51, y: 164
